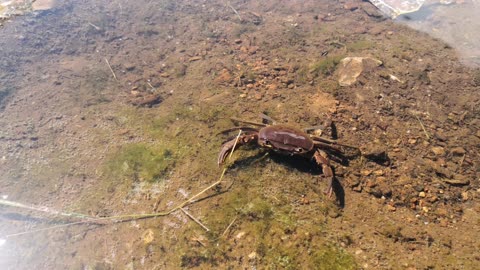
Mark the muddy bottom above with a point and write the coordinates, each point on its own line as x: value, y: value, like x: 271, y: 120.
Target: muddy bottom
x: 115, y: 109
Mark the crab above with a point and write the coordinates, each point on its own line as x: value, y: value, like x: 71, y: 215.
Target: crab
x: 287, y: 141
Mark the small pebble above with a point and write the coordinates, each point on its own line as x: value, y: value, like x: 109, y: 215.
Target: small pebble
x: 458, y: 151
x: 365, y: 172
x: 438, y: 150
x: 422, y: 194
x: 240, y: 235
x: 148, y: 236
x: 391, y: 208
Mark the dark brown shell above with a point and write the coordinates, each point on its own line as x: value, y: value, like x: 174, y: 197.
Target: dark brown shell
x: 285, y: 139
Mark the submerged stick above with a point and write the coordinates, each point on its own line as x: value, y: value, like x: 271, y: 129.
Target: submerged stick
x: 42, y: 209
x: 236, y: 12
x: 228, y: 227
x: 110, y: 67
x: 423, y: 127
x: 195, y: 219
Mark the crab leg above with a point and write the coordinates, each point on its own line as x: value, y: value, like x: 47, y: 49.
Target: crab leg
x: 229, y: 146
x: 248, y: 122
x: 329, y: 146
x: 330, y: 142
x: 322, y: 159
x: 238, y: 128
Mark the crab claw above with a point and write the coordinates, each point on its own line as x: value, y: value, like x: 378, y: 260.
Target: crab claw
x: 231, y: 145
x: 322, y: 159
x: 226, y: 149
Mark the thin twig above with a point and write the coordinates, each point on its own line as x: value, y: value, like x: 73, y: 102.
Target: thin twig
x: 423, y: 127
x: 228, y: 227
x: 43, y: 209
x: 236, y: 12
x: 94, y: 26
x: 110, y: 67
x: 195, y: 219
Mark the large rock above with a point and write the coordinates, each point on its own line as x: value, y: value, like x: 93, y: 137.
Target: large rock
x: 350, y: 68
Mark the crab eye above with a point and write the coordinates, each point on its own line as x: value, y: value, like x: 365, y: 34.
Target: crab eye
x: 299, y: 150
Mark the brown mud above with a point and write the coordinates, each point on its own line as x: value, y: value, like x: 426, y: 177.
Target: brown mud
x: 115, y: 109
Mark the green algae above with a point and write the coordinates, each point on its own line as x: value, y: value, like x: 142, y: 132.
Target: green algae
x: 266, y: 225
x: 326, y: 66
x: 331, y: 257
x: 140, y: 162
x: 360, y: 45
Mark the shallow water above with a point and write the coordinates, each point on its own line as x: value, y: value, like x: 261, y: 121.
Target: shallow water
x: 112, y: 108
x: 456, y: 24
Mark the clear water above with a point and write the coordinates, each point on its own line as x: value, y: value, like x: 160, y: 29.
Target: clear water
x: 78, y: 134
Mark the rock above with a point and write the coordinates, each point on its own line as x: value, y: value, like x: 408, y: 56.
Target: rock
x: 129, y: 66
x: 365, y: 172
x: 43, y: 4
x: 422, y: 194
x: 391, y: 208
x: 240, y: 235
x: 194, y: 58
x: 458, y: 151
x: 351, y: 5
x: 458, y: 180
x: 225, y: 77
x: 148, y: 236
x: 376, y: 153
x: 351, y: 67
x: 148, y: 100
x: 412, y: 141
x: 438, y: 151
x: 357, y: 188
x: 438, y: 169
x: 258, y: 96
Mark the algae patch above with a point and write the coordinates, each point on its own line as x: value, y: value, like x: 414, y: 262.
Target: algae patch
x: 140, y: 162
x: 326, y: 66
x: 257, y: 223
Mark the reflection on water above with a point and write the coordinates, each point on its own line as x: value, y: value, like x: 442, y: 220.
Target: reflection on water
x: 457, y: 24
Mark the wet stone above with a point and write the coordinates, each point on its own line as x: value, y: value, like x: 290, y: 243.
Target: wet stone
x: 351, y: 67
x: 224, y: 77
x: 258, y: 96
x: 375, y: 192
x: 148, y: 236
x: 354, y: 181
x: 129, y: 66
x: 391, y: 208
x: 458, y: 151
x: 357, y: 188
x: 438, y: 151
x: 458, y: 180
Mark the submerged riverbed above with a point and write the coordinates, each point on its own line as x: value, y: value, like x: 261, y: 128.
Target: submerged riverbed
x: 112, y: 108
